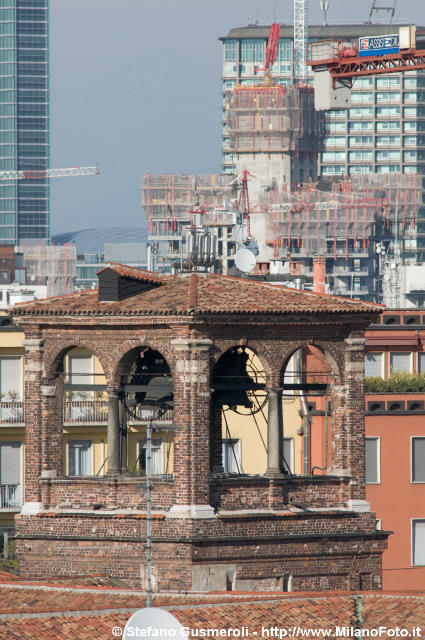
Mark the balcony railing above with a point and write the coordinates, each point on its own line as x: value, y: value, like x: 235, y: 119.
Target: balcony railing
x: 10, y: 496
x: 86, y: 411
x: 11, y: 412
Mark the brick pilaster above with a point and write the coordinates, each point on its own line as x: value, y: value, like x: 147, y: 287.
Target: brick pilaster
x: 192, y: 417
x: 33, y: 362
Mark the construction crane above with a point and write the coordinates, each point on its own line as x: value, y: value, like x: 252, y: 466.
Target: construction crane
x: 300, y: 38
x: 30, y: 174
x: 371, y: 55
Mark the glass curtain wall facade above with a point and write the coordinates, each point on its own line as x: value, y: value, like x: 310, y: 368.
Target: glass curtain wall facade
x: 24, y: 119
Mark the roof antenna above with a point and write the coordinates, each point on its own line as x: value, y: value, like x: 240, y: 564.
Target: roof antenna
x: 375, y: 8
x: 324, y: 5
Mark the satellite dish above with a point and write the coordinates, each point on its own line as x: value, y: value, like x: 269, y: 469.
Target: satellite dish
x: 245, y: 260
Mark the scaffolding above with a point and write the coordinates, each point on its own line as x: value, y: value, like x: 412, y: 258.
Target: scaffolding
x: 54, y: 266
x: 171, y: 199
x: 274, y: 119
x: 340, y: 218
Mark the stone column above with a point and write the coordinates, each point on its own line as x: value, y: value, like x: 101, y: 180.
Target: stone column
x: 113, y: 435
x: 52, y: 431
x: 33, y: 364
x: 274, y: 432
x: 191, y: 381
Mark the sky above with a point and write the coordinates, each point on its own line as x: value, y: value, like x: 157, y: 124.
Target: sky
x: 135, y: 87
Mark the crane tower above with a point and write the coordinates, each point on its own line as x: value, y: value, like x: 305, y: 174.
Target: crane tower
x: 300, y: 38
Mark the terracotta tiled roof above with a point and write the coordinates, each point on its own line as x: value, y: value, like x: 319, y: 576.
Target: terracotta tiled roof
x: 132, y: 272
x: 198, y: 294
x: 46, y: 613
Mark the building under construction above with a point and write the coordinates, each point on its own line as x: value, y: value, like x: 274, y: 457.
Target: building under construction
x: 274, y: 133
x: 53, y: 266
x: 173, y: 203
x: 344, y: 220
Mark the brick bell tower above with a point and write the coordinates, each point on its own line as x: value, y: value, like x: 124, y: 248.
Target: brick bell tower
x: 182, y: 339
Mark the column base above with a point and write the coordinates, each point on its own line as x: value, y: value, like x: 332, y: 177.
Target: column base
x: 274, y: 473
x: 193, y: 511
x: 31, y: 508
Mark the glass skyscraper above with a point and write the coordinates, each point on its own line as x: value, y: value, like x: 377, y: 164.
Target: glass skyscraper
x: 24, y: 119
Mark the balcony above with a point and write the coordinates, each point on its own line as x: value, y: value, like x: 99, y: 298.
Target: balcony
x: 85, y: 411
x: 11, y: 412
x: 96, y: 412
x: 10, y: 496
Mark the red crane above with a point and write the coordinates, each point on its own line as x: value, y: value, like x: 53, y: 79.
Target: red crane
x: 271, y: 50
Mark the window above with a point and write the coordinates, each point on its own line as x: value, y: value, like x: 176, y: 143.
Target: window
x: 157, y: 458
x: 418, y: 542
x: 388, y: 125
x: 360, y: 126
x: 388, y: 83
x: 421, y: 362
x: 252, y: 50
x: 80, y: 369
x: 356, y: 141
x: 361, y: 96
x: 335, y: 126
x: 337, y: 169
x: 418, y: 459
x: 11, y: 378
x: 400, y: 361
x: 335, y: 141
x: 373, y: 365
x: 388, y: 155
x: 382, y: 112
x: 363, y: 83
x: 373, y: 460
x: 333, y: 156
x: 10, y: 474
x: 230, y: 48
x: 387, y: 140
x: 231, y: 455
x: 360, y: 156
x: 387, y: 96
x: 361, y: 169
x: 361, y: 112
x: 288, y: 454
x: 80, y: 458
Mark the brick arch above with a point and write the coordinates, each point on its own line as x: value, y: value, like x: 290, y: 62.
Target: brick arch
x: 259, y: 348
x: 117, y: 356
x: 334, y: 354
x: 54, y: 353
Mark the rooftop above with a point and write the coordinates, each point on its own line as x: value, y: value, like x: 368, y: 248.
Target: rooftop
x: 83, y: 611
x: 327, y: 32
x: 195, y: 294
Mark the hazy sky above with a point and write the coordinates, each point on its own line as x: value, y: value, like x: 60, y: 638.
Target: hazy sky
x: 135, y: 87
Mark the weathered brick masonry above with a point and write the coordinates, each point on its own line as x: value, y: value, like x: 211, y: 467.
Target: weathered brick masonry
x: 209, y: 531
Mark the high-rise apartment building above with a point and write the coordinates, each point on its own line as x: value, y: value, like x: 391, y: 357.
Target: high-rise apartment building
x: 382, y: 132
x: 24, y: 119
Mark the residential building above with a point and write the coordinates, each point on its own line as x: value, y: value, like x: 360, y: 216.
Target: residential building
x: 395, y: 444
x: 12, y: 423
x: 24, y: 119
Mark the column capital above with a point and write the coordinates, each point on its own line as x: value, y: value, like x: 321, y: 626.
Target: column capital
x: 33, y: 344
x: 192, y: 344
x: 48, y: 390
x: 355, y: 344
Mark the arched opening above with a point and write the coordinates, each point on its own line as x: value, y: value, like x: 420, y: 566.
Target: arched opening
x: 147, y: 401
x: 238, y: 413
x: 306, y: 386
x: 85, y: 413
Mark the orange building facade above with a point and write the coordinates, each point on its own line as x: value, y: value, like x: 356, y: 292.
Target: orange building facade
x: 395, y: 445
